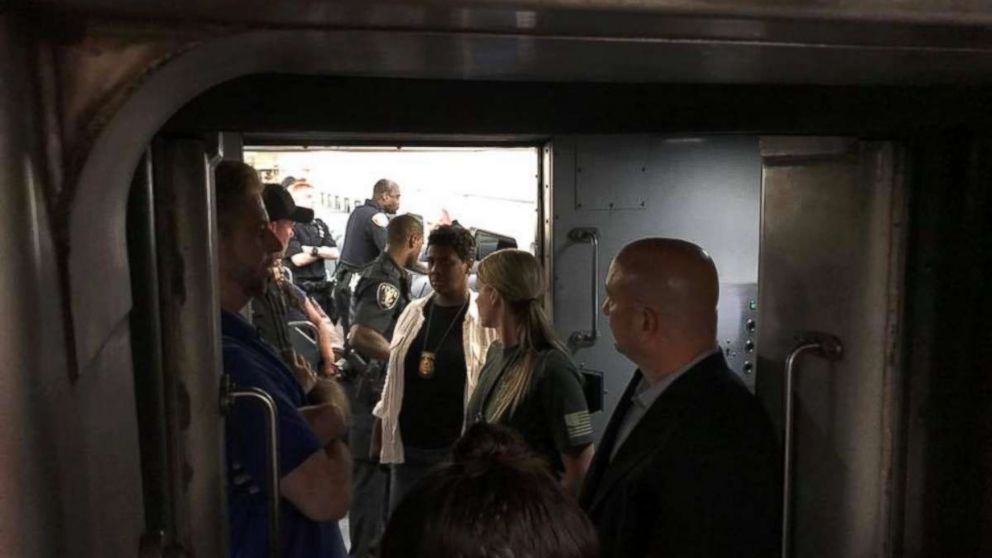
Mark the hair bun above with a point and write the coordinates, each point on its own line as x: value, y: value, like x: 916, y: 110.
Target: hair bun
x: 486, y: 445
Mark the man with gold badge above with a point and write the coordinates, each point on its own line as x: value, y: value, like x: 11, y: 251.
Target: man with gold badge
x: 380, y: 297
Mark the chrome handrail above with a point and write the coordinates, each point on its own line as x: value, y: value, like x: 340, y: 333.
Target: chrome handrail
x: 229, y: 395
x: 304, y: 324
x: 826, y: 346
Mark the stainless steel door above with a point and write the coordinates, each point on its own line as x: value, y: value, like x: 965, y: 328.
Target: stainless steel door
x: 192, y: 517
x: 831, y: 261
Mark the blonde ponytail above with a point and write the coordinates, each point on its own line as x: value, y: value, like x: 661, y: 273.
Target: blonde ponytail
x: 518, y: 278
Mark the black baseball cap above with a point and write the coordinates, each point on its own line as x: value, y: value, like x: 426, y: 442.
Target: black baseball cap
x: 279, y: 205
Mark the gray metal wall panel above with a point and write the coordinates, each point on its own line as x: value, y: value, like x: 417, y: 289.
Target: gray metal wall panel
x: 706, y: 190
x: 28, y: 502
x: 191, y: 340
x: 830, y: 227
x: 68, y: 451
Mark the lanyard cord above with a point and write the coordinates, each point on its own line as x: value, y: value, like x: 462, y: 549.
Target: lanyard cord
x: 481, y: 413
x: 427, y: 333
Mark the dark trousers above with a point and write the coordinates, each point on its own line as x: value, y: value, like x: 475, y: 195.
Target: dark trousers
x: 369, y: 480
x: 416, y: 464
x: 367, y: 517
x: 342, y: 297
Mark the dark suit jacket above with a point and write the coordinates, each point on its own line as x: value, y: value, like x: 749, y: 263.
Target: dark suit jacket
x: 699, y: 475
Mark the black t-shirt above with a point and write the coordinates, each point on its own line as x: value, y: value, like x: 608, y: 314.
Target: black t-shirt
x: 433, y: 407
x: 552, y: 417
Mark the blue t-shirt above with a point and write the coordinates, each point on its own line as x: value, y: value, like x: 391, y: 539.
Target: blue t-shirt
x: 252, y: 363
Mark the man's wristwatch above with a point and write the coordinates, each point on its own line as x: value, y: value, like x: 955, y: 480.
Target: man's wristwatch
x: 314, y: 251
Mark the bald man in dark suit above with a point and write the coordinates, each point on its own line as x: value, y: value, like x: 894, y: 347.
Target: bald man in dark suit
x: 689, y: 463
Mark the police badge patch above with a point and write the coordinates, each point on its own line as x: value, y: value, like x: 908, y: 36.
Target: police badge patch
x: 387, y: 295
x: 380, y: 220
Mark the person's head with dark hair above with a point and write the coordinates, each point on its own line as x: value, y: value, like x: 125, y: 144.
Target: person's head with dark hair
x: 246, y: 241
x: 450, y: 254
x: 494, y: 499
x: 404, y: 239
x: 287, y: 182
x: 386, y: 194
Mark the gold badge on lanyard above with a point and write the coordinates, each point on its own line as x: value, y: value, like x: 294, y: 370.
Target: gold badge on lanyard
x: 426, y: 367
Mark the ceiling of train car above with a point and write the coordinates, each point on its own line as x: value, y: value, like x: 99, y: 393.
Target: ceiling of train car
x: 530, y: 14
x: 687, y: 41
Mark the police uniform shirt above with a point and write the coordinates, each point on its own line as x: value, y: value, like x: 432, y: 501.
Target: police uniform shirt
x: 365, y: 235
x: 552, y: 417
x: 317, y: 234
x: 381, y: 295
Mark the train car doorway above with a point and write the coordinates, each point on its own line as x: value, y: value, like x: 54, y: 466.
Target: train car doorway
x: 490, y: 188
x: 774, y: 212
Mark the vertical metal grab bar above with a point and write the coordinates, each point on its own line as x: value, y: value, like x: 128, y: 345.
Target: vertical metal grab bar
x: 826, y: 346
x: 229, y: 395
x: 582, y: 339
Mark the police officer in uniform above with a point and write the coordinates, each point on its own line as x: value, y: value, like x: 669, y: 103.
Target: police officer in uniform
x: 364, y: 240
x: 310, y: 246
x: 381, y: 294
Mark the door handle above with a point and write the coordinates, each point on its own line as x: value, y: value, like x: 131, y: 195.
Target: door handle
x: 581, y: 339
x: 229, y: 396
x: 825, y: 346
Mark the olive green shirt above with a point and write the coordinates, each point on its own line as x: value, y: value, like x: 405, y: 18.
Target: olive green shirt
x: 552, y: 417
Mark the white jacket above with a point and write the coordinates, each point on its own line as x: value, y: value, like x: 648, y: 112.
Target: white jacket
x: 475, y: 339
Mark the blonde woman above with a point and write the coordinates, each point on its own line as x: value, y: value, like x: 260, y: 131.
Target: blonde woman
x: 529, y: 383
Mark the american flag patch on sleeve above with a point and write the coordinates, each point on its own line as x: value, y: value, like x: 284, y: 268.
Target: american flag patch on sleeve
x: 578, y: 424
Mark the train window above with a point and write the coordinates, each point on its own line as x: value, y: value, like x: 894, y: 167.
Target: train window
x: 492, y: 189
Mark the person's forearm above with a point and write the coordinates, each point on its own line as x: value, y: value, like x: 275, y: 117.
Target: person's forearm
x: 304, y: 258
x: 329, y: 391
x: 326, y: 346
x: 328, y: 252
x: 327, y: 421
x: 320, y: 487
x: 369, y: 343
x: 340, y: 472
x: 576, y: 464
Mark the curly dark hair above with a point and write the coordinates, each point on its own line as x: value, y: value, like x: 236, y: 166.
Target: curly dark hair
x: 458, y: 238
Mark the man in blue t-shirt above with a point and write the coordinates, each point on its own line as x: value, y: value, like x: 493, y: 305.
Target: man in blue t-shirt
x: 314, y: 465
